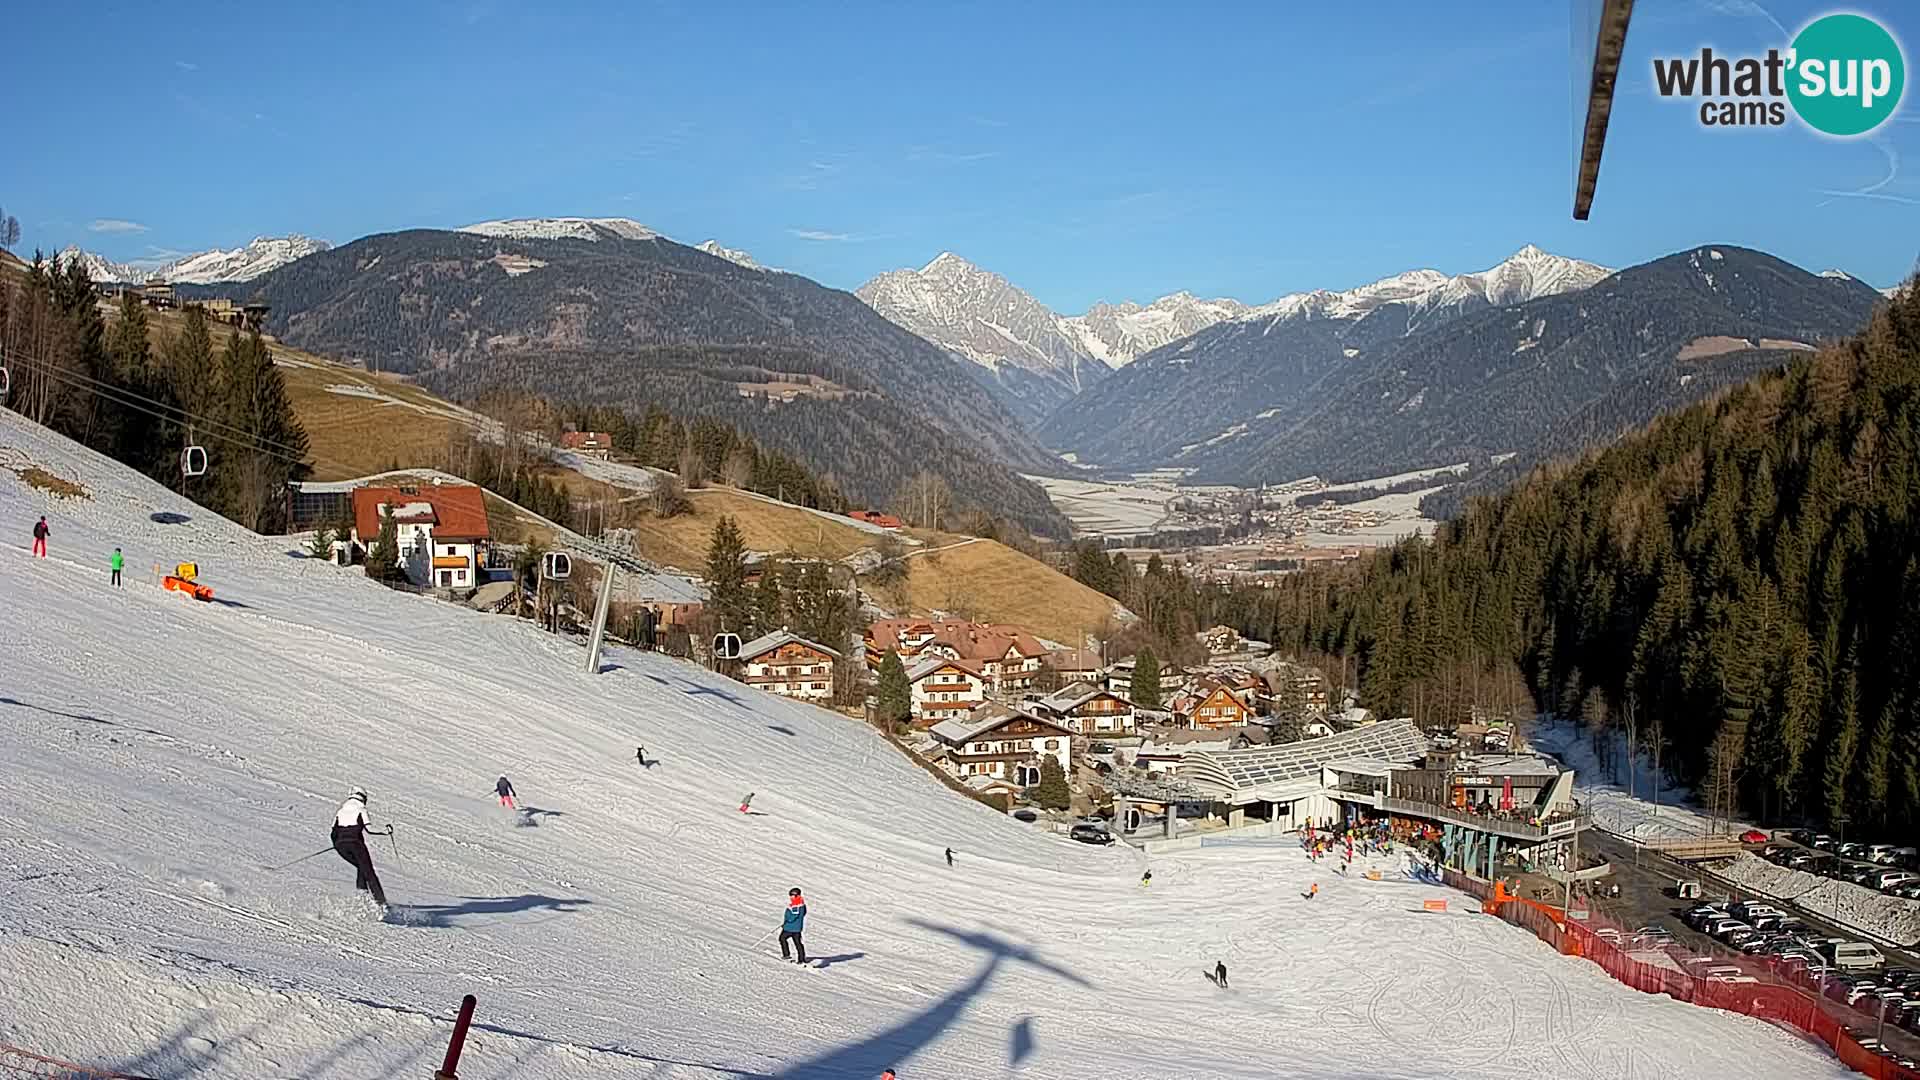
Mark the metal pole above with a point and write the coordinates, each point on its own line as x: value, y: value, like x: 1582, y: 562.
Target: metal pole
x: 600, y: 620
x: 459, y: 1041
x: 1573, y: 863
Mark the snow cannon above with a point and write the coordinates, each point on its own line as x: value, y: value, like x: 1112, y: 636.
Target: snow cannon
x: 183, y: 580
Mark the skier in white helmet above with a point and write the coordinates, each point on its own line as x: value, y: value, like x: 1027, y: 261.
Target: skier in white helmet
x: 350, y: 840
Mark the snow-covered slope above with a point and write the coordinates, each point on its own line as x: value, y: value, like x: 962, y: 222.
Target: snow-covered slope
x: 1528, y: 274
x: 564, y: 228
x: 261, y: 255
x: 1118, y: 334
x: 169, y: 763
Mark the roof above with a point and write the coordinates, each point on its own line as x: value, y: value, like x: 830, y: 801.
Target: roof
x: 1075, y: 694
x: 766, y: 643
x: 1237, y: 772
x: 1074, y: 659
x: 574, y: 440
x: 985, y: 719
x: 977, y: 642
x: 934, y: 663
x: 456, y: 511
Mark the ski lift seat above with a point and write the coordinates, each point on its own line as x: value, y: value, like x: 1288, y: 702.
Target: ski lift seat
x: 726, y: 646
x: 556, y: 566
x: 193, y: 461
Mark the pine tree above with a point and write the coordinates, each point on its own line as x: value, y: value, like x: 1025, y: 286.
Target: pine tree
x: 383, y: 559
x: 727, y: 596
x: 893, y: 697
x: 321, y: 546
x: 769, y: 606
x: 269, y: 447
x: 1052, y: 792
x: 1145, y: 691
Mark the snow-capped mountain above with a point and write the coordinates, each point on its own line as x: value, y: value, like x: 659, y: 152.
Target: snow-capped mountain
x: 564, y: 228
x: 261, y: 255
x: 732, y: 255
x: 1028, y: 352
x: 1118, y: 334
x: 102, y: 270
x: 1528, y: 275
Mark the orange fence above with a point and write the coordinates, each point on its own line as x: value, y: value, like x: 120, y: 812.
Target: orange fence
x: 1761, y: 990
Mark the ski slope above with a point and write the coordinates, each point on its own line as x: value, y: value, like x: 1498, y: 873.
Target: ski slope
x: 161, y: 755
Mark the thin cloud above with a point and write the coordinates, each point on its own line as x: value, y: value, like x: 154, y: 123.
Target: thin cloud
x: 949, y: 157
x: 1876, y: 190
x: 1747, y: 9
x: 186, y: 65
x: 822, y: 236
x: 115, y: 225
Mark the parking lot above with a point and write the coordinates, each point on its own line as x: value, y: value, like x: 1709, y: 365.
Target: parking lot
x: 1647, y: 898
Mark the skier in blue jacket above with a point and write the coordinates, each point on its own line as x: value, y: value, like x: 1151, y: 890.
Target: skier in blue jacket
x: 792, y: 924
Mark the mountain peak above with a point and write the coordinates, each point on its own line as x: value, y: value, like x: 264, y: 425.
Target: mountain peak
x: 563, y: 228
x: 261, y: 255
x: 732, y: 255
x: 947, y: 262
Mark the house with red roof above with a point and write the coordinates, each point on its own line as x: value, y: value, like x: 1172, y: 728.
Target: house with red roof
x: 441, y: 529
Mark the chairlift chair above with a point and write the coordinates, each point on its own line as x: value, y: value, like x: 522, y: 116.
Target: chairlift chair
x: 556, y: 566
x: 726, y: 646
x: 193, y: 461
x: 6, y: 383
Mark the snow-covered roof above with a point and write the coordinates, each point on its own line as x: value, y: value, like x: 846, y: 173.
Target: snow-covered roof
x: 766, y: 643
x: 934, y: 663
x: 983, y: 720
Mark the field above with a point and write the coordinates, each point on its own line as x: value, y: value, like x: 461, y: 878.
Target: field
x: 161, y: 919
x: 987, y: 580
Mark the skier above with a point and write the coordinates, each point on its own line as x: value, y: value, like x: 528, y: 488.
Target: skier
x: 792, y: 924
x: 40, y: 532
x: 1313, y: 890
x: 114, y: 563
x: 1146, y: 879
x: 1220, y: 973
x: 746, y: 802
x: 949, y: 858
x: 504, y: 788
x: 350, y: 840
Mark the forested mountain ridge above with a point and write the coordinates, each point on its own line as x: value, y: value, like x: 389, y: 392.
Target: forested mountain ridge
x: 621, y: 321
x: 1739, y: 585
x: 1405, y: 386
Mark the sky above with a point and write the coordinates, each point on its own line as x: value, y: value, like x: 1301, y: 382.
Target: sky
x: 1086, y: 152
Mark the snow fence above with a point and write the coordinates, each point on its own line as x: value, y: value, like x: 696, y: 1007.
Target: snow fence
x: 1773, y: 995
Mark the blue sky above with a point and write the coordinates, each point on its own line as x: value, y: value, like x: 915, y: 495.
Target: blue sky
x: 1085, y: 151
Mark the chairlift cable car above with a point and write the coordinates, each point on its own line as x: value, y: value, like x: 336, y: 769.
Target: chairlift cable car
x: 726, y: 646
x: 193, y: 459
x: 556, y: 566
x: 6, y: 383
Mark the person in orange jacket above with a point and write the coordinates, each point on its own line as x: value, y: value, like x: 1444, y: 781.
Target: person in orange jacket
x: 793, y: 922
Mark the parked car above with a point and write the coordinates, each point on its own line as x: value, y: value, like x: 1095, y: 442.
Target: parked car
x: 1880, y: 853
x: 1801, y: 860
x: 1907, y: 856
x: 1090, y: 834
x: 1822, y: 841
x: 1852, y: 849
x: 1855, y: 956
x: 1888, y: 880
x: 1754, y: 836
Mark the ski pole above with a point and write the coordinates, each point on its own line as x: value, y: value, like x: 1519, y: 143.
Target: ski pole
x: 303, y: 858
x: 394, y: 842
x: 764, y: 938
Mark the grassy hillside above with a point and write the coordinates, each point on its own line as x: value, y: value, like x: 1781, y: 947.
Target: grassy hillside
x: 987, y: 580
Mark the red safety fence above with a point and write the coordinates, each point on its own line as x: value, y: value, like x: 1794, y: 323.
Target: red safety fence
x: 15, y: 1062
x: 1762, y: 989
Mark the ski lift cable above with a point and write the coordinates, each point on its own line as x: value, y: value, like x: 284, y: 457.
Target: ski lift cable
x: 249, y: 442
x: 185, y: 416
x: 244, y: 440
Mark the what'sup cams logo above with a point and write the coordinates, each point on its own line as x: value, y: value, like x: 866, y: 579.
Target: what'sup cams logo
x: 1843, y: 75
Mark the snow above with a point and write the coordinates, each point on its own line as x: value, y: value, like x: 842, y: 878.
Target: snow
x: 1889, y: 917
x: 564, y: 228
x: 732, y: 255
x: 260, y: 256
x: 1528, y: 274
x: 162, y: 754
x: 1608, y: 800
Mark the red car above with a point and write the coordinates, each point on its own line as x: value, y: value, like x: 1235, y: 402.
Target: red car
x: 1754, y: 836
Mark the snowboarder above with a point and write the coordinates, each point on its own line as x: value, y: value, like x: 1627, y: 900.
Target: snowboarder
x: 504, y: 788
x: 640, y: 755
x: 792, y: 924
x: 1313, y: 890
x: 1220, y: 973
x: 1146, y: 879
x: 114, y: 563
x: 40, y: 532
x: 949, y: 858
x: 350, y: 840
x: 746, y: 802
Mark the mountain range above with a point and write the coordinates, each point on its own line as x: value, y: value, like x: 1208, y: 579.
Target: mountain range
x: 608, y: 311
x: 261, y: 255
x: 1403, y: 375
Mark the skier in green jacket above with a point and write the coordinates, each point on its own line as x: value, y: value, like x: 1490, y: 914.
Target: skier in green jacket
x: 116, y: 562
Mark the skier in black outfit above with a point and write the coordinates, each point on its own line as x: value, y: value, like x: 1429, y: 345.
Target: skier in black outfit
x: 1220, y: 973
x: 350, y: 840
x: 949, y: 857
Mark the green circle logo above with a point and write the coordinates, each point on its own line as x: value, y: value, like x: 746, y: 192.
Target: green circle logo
x: 1848, y: 75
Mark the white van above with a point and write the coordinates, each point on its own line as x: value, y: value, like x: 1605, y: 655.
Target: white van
x: 1855, y: 956
x: 1880, y: 853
